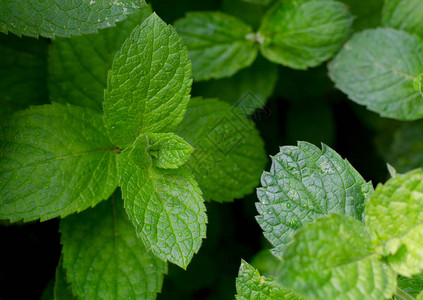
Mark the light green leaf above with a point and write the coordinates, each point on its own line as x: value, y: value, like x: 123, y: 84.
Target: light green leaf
x: 219, y: 45
x: 229, y: 153
x: 420, y: 296
x: 149, y: 83
x: 251, y: 286
x: 247, y: 90
x: 304, y: 33
x: 377, y: 67
x: 62, y: 288
x: 166, y: 208
x: 420, y: 83
x: 103, y: 256
x: 78, y: 66
x: 168, y: 150
x: 332, y: 258
x: 404, y: 14
x: 395, y: 221
x: 305, y: 183
x: 54, y: 160
x: 23, y: 73
x: 51, y: 18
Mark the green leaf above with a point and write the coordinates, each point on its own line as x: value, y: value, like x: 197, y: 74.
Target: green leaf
x: 78, y: 66
x: 250, y: 285
x: 403, y: 14
x: 62, y: 288
x: 168, y: 150
x: 304, y: 33
x: 394, y: 220
x: 149, y: 84
x: 219, y: 45
x: 102, y: 255
x: 366, y: 13
x: 166, y: 208
x: 51, y: 18
x: 412, y: 286
x: 377, y: 67
x: 420, y: 83
x: 332, y: 258
x: 247, y: 90
x: 420, y: 296
x: 229, y: 153
x: 305, y: 183
x: 23, y: 72
x: 54, y: 160
x: 249, y: 12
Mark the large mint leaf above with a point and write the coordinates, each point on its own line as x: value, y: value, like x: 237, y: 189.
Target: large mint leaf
x: 218, y: 44
x: 54, y: 160
x: 23, y: 73
x: 78, y: 66
x: 394, y: 218
x: 102, y: 255
x: 305, y: 183
x: 149, y: 84
x: 377, y: 68
x: 332, y: 258
x: 228, y: 152
x: 410, y: 285
x: 404, y: 14
x: 247, y: 90
x: 304, y: 33
x: 62, y: 288
x: 166, y: 208
x: 50, y: 18
x: 251, y: 286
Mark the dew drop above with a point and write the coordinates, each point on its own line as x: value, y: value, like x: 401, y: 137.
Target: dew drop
x: 288, y: 205
x: 147, y: 227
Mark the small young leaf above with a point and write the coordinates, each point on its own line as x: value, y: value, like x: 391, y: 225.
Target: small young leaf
x: 394, y: 220
x: 50, y: 18
x: 54, y: 160
x: 218, y: 44
x: 62, y: 288
x: 23, y: 72
x: 78, y: 66
x: 303, y: 184
x: 102, y: 255
x: 250, y: 285
x: 366, y: 13
x: 305, y: 33
x: 165, y: 207
x: 247, y: 90
x: 149, y: 83
x: 377, y: 68
x: 332, y: 258
x: 404, y: 14
x: 229, y: 153
x: 168, y: 150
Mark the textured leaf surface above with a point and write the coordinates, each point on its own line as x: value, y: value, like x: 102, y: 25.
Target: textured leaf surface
x: 395, y: 221
x: 62, y: 288
x: 149, y: 84
x: 333, y: 259
x: 377, y: 67
x: 228, y: 152
x: 304, y: 33
x: 61, y: 18
x: 247, y: 90
x: 78, y: 66
x: 168, y: 150
x: 411, y: 285
x: 366, y: 13
x: 166, y: 208
x: 303, y: 184
x: 217, y: 43
x: 420, y: 83
x: 103, y: 257
x: 59, y: 157
x: 251, y: 286
x: 23, y: 72
x: 403, y: 14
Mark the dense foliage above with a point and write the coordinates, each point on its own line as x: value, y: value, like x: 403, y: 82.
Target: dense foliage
x: 135, y: 140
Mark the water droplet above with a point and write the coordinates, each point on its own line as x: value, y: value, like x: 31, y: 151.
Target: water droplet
x: 288, y: 205
x: 147, y: 227
x: 179, y: 233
